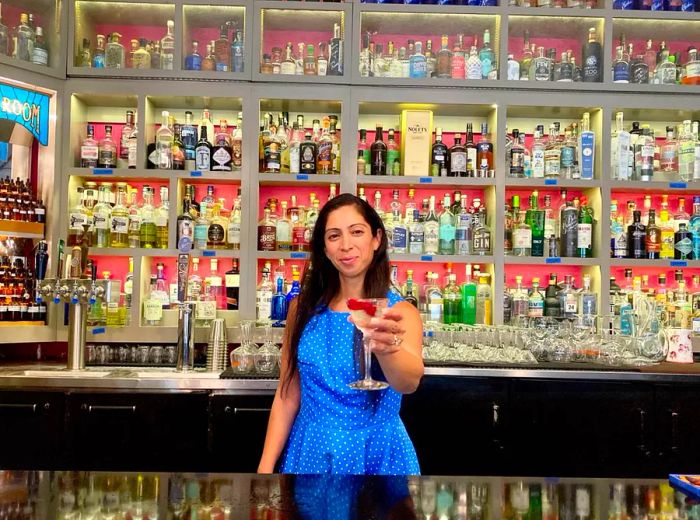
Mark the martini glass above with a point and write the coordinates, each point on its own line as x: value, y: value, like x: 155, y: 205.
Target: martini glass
x: 363, y: 310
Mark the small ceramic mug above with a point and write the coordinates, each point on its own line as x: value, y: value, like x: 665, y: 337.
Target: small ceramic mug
x: 680, y: 348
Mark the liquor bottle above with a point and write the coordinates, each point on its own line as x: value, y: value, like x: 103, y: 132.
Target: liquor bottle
x: 101, y: 216
x: 221, y: 151
x: 444, y: 59
x: 621, y: 145
x: 446, y: 229
x: 569, y: 165
x: 89, y: 149
x: 474, y: 67
x: 667, y: 233
x: 215, y: 285
x: 237, y: 52
x: 185, y: 226
x: 119, y: 220
x: 482, y: 234
x: 167, y: 47
x: 522, y: 234
x: 463, y: 230
x: 487, y: 57
x: 439, y: 156
x: 416, y: 233
x: 307, y: 155
x: 451, y: 301
x: 418, y: 63
x: 694, y: 226
x: 683, y: 249
x: 232, y: 279
x: 471, y: 152
x: 636, y: 237
x: 107, y: 157
x: 203, y: 152
x: 393, y: 158
x: 519, y: 301
x: 484, y: 301
x: 295, y: 288
x: 233, y: 233
x: 584, y: 230
x: 216, y: 234
x: 468, y: 301
x: 618, y: 233
x: 516, y: 157
x: 535, y: 302
x: 188, y: 135
x: 534, y: 217
x: 378, y: 154
x: 669, y: 152
x: 141, y: 58
x: 431, y: 228
x: 552, y: 154
x: 164, y: 143
x: 267, y: 233
x: 222, y: 50
x: 114, y: 53
x: 134, y: 238
x: 552, y: 303
x: 193, y: 61
x: 147, y: 229
x: 653, y: 237
x: 540, y: 68
x: 681, y: 216
x: 592, y: 55
x: 284, y: 230
x: 152, y: 305
x: 568, y: 298
x: 568, y: 223
x: 201, y: 228
x: 484, y: 153
x: 410, y: 290
x: 686, y: 152
x: 178, y: 149
x: 621, y: 66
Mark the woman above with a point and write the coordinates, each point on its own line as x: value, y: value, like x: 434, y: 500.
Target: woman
x: 317, y: 423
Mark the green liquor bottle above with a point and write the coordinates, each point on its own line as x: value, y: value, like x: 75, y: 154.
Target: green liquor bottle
x: 451, y: 301
x: 468, y: 301
x: 534, y: 218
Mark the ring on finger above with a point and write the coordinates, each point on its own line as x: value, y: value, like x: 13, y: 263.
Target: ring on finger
x: 397, y: 340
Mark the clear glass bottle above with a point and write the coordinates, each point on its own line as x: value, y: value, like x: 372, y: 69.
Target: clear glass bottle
x: 482, y: 234
x: 431, y: 229
x: 446, y: 230
x: 535, y: 302
x: 24, y: 35
x: 522, y: 233
x: 89, y: 149
x: 519, y: 305
x: 167, y: 47
x: 114, y: 53
x: 152, y: 305
x: 484, y: 301
x: 107, y: 155
x: 101, y: 216
x: 147, y: 230
x: 119, y: 222
x: 162, y: 216
x: 669, y: 152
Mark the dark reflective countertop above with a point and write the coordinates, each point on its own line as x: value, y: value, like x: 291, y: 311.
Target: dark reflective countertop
x: 101, y: 495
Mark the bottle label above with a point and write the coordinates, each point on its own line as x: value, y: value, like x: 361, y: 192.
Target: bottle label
x: 299, y: 238
x: 584, y: 236
x: 475, y: 68
x: 415, y: 242
x: 100, y: 221
x: 202, y: 158
x: 215, y: 234
x: 542, y: 72
x: 40, y: 56
x: 120, y: 225
x: 535, y: 308
x: 234, y: 233
x: 522, y: 239
x: 308, y: 159
x: 152, y: 310
x: 447, y: 232
x: 621, y: 73
x: 482, y: 242
x: 324, y: 156
x: 538, y: 162
x: 264, y: 304
x: 486, y: 66
x: 233, y: 280
x: 77, y: 220
x: 458, y: 163
x: 267, y: 238
x: 222, y: 160
x: 107, y: 158
x: 591, y: 68
x: 400, y: 238
x: 567, y: 156
x: 684, y: 246
x: 431, y: 237
x: 89, y: 152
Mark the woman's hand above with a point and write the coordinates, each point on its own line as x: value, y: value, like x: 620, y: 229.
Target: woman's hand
x: 386, y: 332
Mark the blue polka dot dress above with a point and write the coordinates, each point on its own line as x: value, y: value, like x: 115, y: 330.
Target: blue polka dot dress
x: 339, y: 429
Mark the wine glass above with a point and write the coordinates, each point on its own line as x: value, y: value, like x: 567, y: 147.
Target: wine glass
x: 363, y: 310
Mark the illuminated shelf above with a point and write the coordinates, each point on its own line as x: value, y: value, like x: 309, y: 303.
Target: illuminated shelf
x: 142, y: 173
x: 632, y: 262
x: 410, y: 181
x: 552, y: 183
x: 143, y: 253
x: 455, y: 259
x: 17, y: 229
x: 300, y: 179
x: 535, y: 260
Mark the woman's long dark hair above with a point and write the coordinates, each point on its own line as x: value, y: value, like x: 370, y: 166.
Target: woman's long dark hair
x: 321, y: 281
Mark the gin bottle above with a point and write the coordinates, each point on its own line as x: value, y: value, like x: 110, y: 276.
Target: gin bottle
x: 482, y: 234
x: 484, y: 301
x: 167, y: 48
x: 431, y: 229
x: 446, y: 229
x: 114, y: 53
x: 147, y: 231
x: 535, y: 302
x: 164, y: 143
x: 519, y: 302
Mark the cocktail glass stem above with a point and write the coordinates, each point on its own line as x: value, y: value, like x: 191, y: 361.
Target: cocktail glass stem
x: 367, y: 349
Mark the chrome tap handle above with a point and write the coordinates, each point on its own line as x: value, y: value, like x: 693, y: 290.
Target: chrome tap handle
x: 75, y: 292
x: 57, y: 291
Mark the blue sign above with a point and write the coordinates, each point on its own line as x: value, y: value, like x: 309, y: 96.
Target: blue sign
x: 28, y: 108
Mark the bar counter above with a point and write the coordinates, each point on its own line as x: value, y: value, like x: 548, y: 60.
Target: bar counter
x: 72, y: 494
x: 54, y: 376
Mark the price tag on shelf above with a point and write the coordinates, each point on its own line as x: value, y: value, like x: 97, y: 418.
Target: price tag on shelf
x: 678, y: 185
x: 208, y: 252
x: 102, y: 171
x: 679, y: 263
x: 98, y: 330
x: 297, y: 255
x: 426, y: 180
x: 195, y: 173
x: 551, y: 182
x: 302, y: 177
x: 426, y: 258
x: 552, y: 260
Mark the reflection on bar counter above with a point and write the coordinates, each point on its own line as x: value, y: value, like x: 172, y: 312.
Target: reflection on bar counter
x: 81, y: 494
